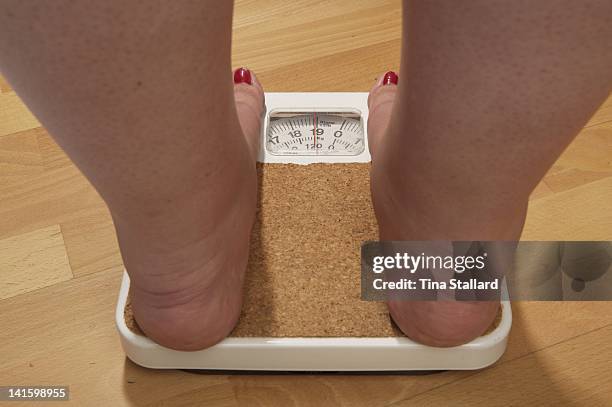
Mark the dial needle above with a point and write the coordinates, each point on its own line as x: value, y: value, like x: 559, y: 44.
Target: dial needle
x: 314, y: 131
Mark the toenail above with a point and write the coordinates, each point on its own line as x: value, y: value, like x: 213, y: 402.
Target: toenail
x: 390, y: 77
x: 243, y: 75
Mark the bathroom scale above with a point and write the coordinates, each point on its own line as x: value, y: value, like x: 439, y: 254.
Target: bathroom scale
x: 310, y: 129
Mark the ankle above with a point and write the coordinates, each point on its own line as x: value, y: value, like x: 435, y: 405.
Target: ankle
x: 409, y: 210
x: 199, y: 200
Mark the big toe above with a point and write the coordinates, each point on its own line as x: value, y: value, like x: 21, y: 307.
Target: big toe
x: 249, y: 98
x: 380, y: 104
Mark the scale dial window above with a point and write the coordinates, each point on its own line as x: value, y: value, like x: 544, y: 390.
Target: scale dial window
x: 330, y: 132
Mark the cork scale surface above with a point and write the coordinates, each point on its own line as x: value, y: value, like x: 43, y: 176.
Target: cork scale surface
x: 303, y: 275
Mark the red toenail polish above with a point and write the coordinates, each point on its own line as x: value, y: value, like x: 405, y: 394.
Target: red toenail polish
x: 243, y: 75
x: 390, y: 77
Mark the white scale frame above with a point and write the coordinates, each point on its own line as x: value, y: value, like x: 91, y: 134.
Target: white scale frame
x: 315, y: 354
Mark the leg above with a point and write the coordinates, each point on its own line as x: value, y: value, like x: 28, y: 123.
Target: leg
x: 491, y: 93
x: 140, y: 96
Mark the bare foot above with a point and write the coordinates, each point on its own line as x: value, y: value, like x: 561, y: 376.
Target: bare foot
x: 441, y: 323
x: 187, y: 262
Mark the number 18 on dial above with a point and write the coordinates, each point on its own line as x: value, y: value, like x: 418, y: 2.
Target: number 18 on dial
x: 338, y: 132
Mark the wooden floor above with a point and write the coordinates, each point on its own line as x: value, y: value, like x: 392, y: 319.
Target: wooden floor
x: 60, y: 267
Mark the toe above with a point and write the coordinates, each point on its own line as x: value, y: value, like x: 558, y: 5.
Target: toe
x: 249, y: 98
x: 380, y: 104
x: 249, y: 92
x: 383, y: 90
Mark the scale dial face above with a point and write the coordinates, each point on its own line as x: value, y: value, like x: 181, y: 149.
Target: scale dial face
x: 304, y: 132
